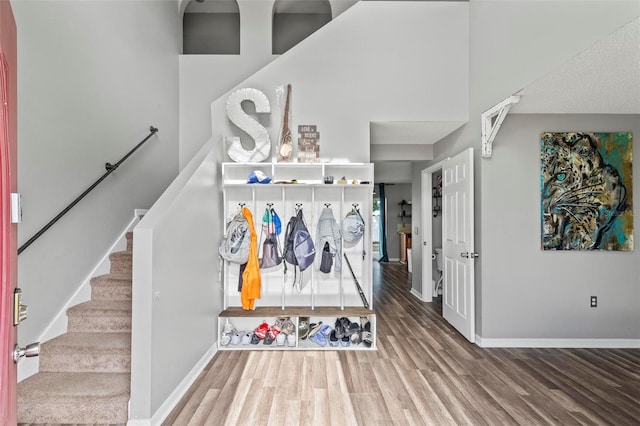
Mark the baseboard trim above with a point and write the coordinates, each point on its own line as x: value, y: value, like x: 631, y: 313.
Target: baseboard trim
x: 175, y: 397
x: 416, y: 294
x: 29, y: 366
x: 558, y: 343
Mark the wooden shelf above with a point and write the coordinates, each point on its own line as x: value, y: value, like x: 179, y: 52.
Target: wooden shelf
x: 297, y: 311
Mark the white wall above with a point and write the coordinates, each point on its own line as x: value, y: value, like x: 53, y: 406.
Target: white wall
x: 531, y: 293
x: 204, y: 78
x: 177, y: 291
x: 511, y: 45
x: 93, y: 76
x: 349, y: 73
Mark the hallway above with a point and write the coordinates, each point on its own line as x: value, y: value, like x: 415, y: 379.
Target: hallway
x: 423, y: 372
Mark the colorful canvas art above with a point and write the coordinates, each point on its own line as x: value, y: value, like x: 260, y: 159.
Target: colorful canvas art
x: 586, y: 186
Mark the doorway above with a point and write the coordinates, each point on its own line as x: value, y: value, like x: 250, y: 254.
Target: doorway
x: 458, y: 255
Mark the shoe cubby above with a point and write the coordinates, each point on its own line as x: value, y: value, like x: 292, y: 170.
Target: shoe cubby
x: 245, y: 324
x: 321, y: 296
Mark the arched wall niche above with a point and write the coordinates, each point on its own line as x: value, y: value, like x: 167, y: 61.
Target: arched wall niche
x: 293, y: 21
x: 211, y: 27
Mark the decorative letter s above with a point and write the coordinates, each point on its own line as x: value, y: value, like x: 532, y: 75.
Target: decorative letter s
x: 245, y: 122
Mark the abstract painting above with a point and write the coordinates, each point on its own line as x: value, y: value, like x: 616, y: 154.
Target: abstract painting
x: 586, y: 187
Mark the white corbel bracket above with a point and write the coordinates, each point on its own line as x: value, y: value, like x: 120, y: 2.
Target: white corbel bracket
x: 492, y: 120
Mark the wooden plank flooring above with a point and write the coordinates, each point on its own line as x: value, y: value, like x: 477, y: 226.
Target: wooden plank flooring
x: 423, y: 373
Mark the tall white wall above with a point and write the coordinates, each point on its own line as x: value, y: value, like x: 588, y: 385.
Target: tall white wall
x: 511, y: 45
x: 92, y: 77
x: 349, y: 73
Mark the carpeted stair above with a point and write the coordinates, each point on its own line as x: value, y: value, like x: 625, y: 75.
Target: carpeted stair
x: 85, y: 374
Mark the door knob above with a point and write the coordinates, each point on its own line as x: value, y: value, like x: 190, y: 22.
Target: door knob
x: 29, y: 351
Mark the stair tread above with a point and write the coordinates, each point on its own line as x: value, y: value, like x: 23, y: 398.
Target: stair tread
x: 120, y: 254
x: 102, y: 308
x: 112, y: 279
x: 102, y: 341
x: 81, y: 387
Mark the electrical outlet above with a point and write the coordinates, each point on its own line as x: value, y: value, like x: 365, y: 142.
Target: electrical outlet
x: 594, y: 301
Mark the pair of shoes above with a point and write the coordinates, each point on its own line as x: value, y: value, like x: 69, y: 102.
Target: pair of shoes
x: 367, y: 336
x: 342, y: 326
x: 260, y: 333
x: 228, y: 331
x: 320, y: 336
x: 288, y: 327
x: 303, y: 327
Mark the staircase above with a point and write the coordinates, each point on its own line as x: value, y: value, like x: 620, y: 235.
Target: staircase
x: 85, y: 374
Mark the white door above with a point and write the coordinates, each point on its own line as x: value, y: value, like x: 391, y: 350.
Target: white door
x: 458, y: 301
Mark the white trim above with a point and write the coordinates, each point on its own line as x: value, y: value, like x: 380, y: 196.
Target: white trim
x: 29, y: 366
x: 415, y: 293
x: 172, y: 401
x: 556, y: 343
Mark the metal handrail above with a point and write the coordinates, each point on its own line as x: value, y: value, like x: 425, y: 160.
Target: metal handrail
x: 110, y: 169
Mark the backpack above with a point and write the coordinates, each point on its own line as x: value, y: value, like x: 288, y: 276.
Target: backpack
x: 303, y: 249
x: 299, y: 249
x: 328, y: 237
x: 298, y: 246
x: 270, y: 253
x: 236, y: 241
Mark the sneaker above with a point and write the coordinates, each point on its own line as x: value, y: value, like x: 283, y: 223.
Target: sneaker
x: 345, y: 341
x: 314, y: 328
x: 367, y: 336
x: 228, y: 328
x: 291, y: 340
x: 255, y: 339
x: 333, y: 339
x: 225, y: 339
x: 281, y: 339
x: 262, y: 330
x: 246, y: 338
x: 288, y: 327
x: 303, y: 327
x: 236, y: 338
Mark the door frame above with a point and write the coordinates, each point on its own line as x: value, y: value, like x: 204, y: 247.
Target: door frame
x: 427, y: 228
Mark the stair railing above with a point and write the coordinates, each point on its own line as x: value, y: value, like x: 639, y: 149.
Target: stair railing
x: 110, y: 169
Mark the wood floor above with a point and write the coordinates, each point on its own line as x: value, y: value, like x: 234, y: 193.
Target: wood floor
x: 423, y: 373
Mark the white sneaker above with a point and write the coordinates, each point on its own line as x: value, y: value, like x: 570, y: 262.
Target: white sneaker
x: 225, y: 339
x: 291, y: 340
x: 280, y: 339
x: 236, y: 338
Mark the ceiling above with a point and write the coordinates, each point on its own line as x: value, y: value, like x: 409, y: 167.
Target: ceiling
x: 411, y: 132
x: 604, y: 79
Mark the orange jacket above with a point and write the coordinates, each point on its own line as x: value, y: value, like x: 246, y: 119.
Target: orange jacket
x: 251, y: 276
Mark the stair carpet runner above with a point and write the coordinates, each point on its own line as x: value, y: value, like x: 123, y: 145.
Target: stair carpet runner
x: 85, y: 373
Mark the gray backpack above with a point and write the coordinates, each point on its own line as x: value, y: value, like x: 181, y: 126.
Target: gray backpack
x: 235, y: 244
